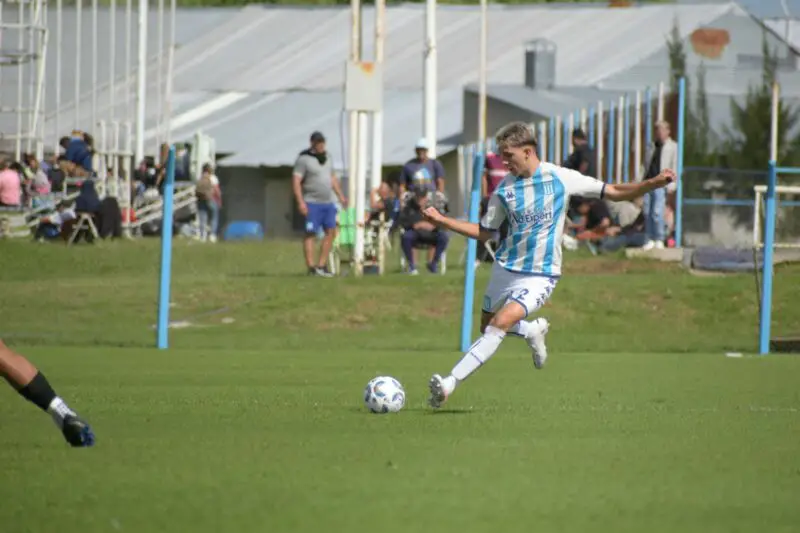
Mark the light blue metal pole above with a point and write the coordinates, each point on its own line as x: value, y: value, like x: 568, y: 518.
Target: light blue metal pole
x: 166, y: 254
x: 766, y: 278
x: 626, y: 150
x: 551, y: 142
x: 612, y: 133
x: 472, y: 253
x: 648, y: 117
x: 679, y: 171
x: 565, y: 142
x: 590, y: 125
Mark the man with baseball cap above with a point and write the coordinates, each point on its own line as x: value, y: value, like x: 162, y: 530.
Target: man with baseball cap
x: 316, y: 188
x: 422, y: 172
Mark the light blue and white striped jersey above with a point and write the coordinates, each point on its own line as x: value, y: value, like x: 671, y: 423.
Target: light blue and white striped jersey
x: 536, y: 209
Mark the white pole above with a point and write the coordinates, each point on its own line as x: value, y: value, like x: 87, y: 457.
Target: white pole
x: 543, y: 140
x: 116, y: 151
x: 94, y: 63
x: 599, y: 141
x: 141, y: 81
x: 584, y: 118
x: 620, y: 136
x: 103, y: 148
x: 59, y: 46
x: 20, y: 78
x: 173, y: 6
x: 127, y: 168
x: 637, y: 135
x: 361, y: 193
x: 78, y: 53
x: 377, y: 117
x: 571, y: 123
x: 112, y: 61
x: 660, y: 111
x: 557, y: 142
x: 159, y: 74
x: 355, y: 54
x: 128, y: 63
x: 482, y: 74
x: 773, y: 130
x: 429, y: 106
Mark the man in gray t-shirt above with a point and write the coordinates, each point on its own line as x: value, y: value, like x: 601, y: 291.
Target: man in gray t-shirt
x: 315, y: 189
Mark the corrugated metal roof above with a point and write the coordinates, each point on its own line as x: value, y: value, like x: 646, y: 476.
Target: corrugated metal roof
x: 559, y: 102
x: 268, y: 49
x: 271, y: 129
x: 285, y: 66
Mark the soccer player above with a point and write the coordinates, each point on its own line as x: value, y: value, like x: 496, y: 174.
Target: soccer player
x: 533, y: 198
x: 33, y: 386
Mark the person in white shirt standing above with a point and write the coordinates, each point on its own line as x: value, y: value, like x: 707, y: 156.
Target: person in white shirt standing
x: 533, y: 199
x: 209, y: 203
x: 663, y: 153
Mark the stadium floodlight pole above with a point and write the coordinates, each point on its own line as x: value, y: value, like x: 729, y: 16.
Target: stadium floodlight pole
x: 482, y: 73
x: 770, y: 213
x: 162, y: 329
x: 377, y: 116
x: 141, y: 81
x: 681, y: 140
x: 472, y: 252
x: 429, y: 83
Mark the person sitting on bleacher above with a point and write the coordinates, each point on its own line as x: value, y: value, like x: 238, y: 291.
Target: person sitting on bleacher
x: 79, y: 152
x: 51, y: 226
x: 419, y: 231
x: 10, y: 185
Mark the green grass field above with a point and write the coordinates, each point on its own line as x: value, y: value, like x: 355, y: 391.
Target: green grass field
x: 253, y: 420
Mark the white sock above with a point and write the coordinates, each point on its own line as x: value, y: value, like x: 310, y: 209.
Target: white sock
x: 478, y: 353
x: 59, y: 410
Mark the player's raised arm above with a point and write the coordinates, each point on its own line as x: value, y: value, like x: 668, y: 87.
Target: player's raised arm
x: 587, y: 187
x: 630, y: 191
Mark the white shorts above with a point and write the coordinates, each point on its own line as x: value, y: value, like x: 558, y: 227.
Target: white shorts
x: 530, y: 291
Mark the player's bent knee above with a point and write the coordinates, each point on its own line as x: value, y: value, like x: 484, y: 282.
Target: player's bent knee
x: 509, y: 315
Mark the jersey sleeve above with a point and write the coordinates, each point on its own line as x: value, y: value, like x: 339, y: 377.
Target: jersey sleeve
x: 495, y: 214
x: 579, y: 185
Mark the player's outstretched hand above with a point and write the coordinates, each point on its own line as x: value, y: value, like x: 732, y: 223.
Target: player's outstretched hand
x: 432, y: 215
x: 666, y: 177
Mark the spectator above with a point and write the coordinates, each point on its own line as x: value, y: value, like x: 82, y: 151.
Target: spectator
x: 10, y: 185
x: 39, y: 184
x: 316, y: 188
x: 494, y: 171
x: 422, y: 172
x: 78, y: 152
x: 419, y: 231
x: 383, y: 200
x: 209, y: 202
x: 55, y: 174
x: 87, y: 201
x: 582, y: 157
x: 50, y: 227
x: 663, y: 153
x: 600, y: 228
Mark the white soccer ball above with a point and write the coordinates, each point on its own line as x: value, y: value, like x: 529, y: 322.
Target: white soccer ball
x: 384, y: 394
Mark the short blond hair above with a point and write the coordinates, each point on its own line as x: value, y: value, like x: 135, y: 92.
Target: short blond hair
x: 515, y: 135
